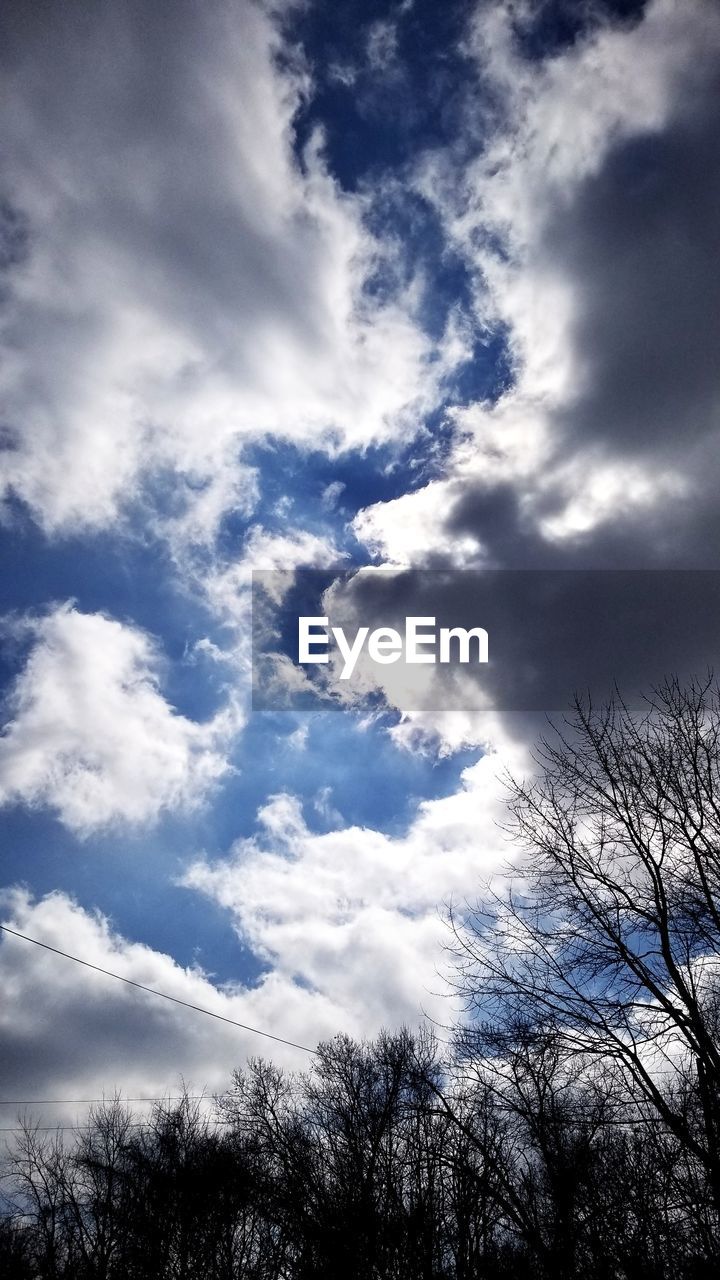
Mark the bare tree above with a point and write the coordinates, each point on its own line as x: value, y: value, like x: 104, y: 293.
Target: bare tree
x: 603, y: 947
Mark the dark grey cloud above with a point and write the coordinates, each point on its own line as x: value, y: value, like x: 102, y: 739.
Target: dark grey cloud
x: 641, y: 244
x: 552, y: 632
x: 637, y: 243
x: 681, y: 532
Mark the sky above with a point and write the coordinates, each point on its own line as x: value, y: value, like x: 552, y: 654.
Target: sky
x: 295, y: 285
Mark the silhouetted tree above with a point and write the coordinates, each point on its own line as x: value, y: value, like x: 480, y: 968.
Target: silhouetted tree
x: 595, y: 973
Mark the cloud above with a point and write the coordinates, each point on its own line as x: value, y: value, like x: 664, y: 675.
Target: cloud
x: 641, y: 236
x: 91, y: 736
x: 382, y: 46
x: 227, y: 586
x: 68, y: 1032
x: 180, y: 281
x: 332, y: 494
x: 587, y: 221
x: 353, y: 917
x: 589, y: 224
x: 550, y: 634
x: 348, y: 923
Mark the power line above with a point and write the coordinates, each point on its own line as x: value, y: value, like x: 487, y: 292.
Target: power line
x: 54, y: 1128
x: 79, y: 1102
x: 153, y: 992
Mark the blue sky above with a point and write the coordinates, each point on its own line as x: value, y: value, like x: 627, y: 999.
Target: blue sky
x: 393, y: 284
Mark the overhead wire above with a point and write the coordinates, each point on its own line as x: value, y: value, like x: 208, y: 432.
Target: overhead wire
x: 163, y: 995
x: 80, y: 1102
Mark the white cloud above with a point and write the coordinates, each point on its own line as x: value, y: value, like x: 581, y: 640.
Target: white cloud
x: 189, y: 285
x: 408, y: 529
x: 332, y: 494
x: 278, y: 553
x: 297, y: 740
x: 91, y: 736
x: 349, y: 923
x: 287, y: 551
x: 353, y: 917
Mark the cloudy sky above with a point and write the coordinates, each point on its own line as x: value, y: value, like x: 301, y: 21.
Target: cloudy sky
x: 286, y: 284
